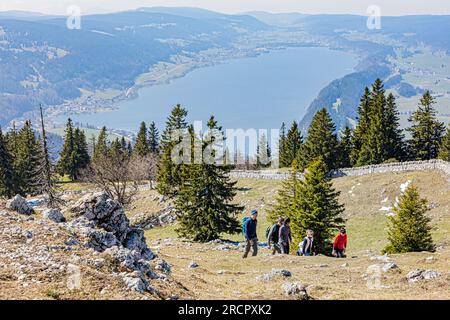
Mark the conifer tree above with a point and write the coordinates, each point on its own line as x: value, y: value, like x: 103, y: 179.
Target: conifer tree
x: 394, y: 144
x: 170, y: 173
x: 345, y: 148
x: 129, y: 149
x: 286, y: 195
x: 101, y: 146
x: 116, y: 149
x: 153, y: 138
x: 282, y: 147
x: 74, y: 155
x: 293, y: 144
x: 362, y: 128
x: 263, y: 153
x: 141, y: 147
x: 12, y: 144
x: 426, y: 130
x: 409, y: 229
x: 7, y: 186
x: 82, y: 158
x: 321, y: 141
x: 444, y: 152
x: 26, y: 159
x: 66, y: 163
x: 123, y: 144
x: 315, y: 206
x: 204, y: 198
x: 373, y: 149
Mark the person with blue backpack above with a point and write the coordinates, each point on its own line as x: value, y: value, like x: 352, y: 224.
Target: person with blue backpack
x: 249, y: 231
x: 273, y: 235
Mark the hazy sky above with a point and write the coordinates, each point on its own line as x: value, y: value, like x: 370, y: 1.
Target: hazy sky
x: 388, y: 7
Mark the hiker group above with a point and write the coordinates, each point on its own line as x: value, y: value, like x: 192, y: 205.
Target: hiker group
x: 279, y: 238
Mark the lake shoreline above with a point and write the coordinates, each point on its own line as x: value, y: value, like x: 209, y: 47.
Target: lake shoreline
x: 164, y: 74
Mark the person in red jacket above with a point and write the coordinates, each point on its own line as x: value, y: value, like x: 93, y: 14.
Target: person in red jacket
x: 340, y: 244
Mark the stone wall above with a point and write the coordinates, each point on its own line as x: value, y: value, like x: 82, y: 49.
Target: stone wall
x: 440, y: 165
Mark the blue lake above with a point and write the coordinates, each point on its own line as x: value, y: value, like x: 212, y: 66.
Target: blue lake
x: 259, y: 92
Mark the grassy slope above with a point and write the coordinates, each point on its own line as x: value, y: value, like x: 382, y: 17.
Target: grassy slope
x: 224, y: 275
x: 366, y: 223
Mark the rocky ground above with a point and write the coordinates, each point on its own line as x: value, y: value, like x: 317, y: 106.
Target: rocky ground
x: 95, y: 254
x: 217, y: 271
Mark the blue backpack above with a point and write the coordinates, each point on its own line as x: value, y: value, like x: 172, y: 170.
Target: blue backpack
x: 244, y: 225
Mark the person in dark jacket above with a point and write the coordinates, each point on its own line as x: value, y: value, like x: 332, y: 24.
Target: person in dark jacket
x: 274, y: 235
x: 285, y: 236
x: 250, y: 234
x: 307, y: 245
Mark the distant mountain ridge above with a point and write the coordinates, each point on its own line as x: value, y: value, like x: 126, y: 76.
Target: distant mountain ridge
x: 44, y: 62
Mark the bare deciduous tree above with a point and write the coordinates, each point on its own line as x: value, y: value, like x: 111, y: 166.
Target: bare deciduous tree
x: 120, y: 175
x: 145, y: 168
x: 44, y: 177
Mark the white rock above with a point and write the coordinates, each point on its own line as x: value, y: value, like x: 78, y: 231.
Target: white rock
x: 295, y: 289
x: 137, y: 284
x: 54, y: 215
x: 420, y: 274
x: 384, y: 258
x: 389, y: 266
x: 281, y: 272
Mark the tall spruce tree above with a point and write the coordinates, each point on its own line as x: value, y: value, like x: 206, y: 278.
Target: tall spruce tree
x: 141, y: 147
x: 293, y: 144
x: 116, y: 149
x: 101, y: 146
x: 66, y: 163
x: 426, y: 130
x: 82, y: 158
x: 315, y: 206
x: 129, y: 149
x: 74, y: 155
x: 362, y: 128
x: 170, y: 174
x: 204, y: 198
x: 123, y: 144
x: 394, y: 146
x: 263, y: 152
x: 7, y: 186
x: 345, y: 148
x: 320, y: 142
x: 444, y: 152
x: 373, y: 148
x: 12, y: 144
x: 282, y: 147
x: 286, y: 195
x: 153, y: 138
x: 26, y: 159
x: 409, y: 229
